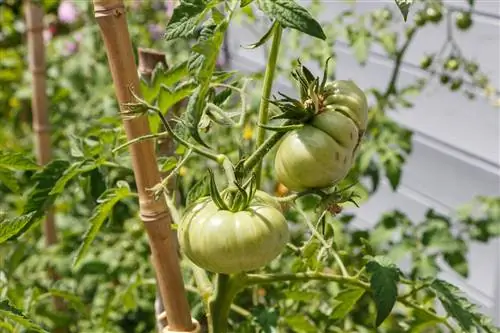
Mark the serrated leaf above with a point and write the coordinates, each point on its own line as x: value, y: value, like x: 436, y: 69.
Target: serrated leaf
x: 101, y: 213
x: 346, y: 299
x: 73, y: 171
x: 291, y: 15
x: 244, y: 3
x: 174, y: 74
x: 383, y: 282
x: 185, y: 18
x: 12, y: 227
x: 198, y: 190
x: 168, y: 98
x: 16, y: 315
x: 16, y: 161
x: 222, y: 97
x: 8, y: 179
x: 404, y: 7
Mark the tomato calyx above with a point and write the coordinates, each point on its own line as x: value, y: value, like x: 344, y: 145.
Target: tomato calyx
x: 234, y: 198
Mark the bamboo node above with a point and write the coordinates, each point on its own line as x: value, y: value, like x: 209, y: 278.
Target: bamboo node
x: 38, y: 71
x: 41, y: 128
x: 154, y: 216
x: 195, y: 329
x: 108, y: 8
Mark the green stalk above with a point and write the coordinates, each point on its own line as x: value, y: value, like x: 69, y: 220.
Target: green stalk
x: 266, y: 93
x: 261, y: 151
x: 225, y: 291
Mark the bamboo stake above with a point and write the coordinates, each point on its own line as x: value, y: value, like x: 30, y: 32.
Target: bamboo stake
x: 41, y: 126
x: 111, y: 18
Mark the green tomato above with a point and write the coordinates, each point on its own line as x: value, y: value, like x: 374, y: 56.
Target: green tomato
x: 434, y: 14
x: 222, y: 241
x: 452, y: 64
x: 426, y: 62
x: 463, y: 20
x: 420, y: 18
x: 456, y: 84
x: 321, y: 153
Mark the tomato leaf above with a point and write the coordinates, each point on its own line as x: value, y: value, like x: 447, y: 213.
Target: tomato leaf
x: 168, y: 98
x: 222, y: 97
x: 300, y: 323
x: 12, y: 227
x: 404, y: 7
x: 72, y: 299
x: 9, y: 311
x: 8, y: 179
x: 185, y: 18
x: 198, y: 190
x: 361, y: 45
x: 245, y: 3
x: 73, y: 171
x: 16, y: 161
x: 101, y: 212
x: 458, y: 307
x: 263, y: 39
x: 292, y: 15
x: 383, y: 282
x: 346, y: 300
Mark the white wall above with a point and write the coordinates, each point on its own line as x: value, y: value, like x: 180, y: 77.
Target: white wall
x: 456, y: 142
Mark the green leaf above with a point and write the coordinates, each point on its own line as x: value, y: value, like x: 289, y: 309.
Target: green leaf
x: 346, y: 299
x: 361, y: 46
x: 404, y: 7
x: 263, y: 39
x: 198, y: 190
x: 39, y: 198
x: 101, y: 212
x: 458, y: 262
x: 8, y: 179
x: 300, y: 323
x: 393, y: 164
x: 73, y: 171
x: 16, y: 315
x: 221, y: 97
x: 12, y: 227
x: 72, y: 299
x: 383, y: 282
x: 168, y: 98
x: 174, y: 74
x: 458, y: 307
x: 168, y: 164
x: 185, y: 18
x: 245, y: 3
x: 292, y: 15
x: 16, y: 161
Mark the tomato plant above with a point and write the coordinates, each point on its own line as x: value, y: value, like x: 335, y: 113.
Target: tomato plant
x: 268, y: 242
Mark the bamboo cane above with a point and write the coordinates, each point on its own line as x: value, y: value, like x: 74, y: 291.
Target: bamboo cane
x: 41, y: 126
x: 111, y: 18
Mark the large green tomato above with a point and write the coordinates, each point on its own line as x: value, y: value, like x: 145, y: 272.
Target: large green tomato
x: 222, y: 241
x: 321, y: 153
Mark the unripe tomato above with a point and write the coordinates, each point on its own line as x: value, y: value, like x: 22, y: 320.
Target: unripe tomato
x: 471, y: 68
x: 321, y: 153
x: 420, y: 18
x: 426, y: 62
x: 222, y: 241
x: 456, y: 84
x: 444, y: 78
x: 463, y: 20
x: 452, y: 64
x: 434, y: 14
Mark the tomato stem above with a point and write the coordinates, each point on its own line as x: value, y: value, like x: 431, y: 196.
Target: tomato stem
x: 261, y: 151
x: 226, y: 289
x: 266, y: 93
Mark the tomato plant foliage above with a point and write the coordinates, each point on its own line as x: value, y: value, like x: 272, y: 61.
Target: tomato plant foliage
x: 264, y: 248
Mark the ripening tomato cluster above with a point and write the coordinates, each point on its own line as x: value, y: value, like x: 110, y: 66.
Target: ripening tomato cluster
x: 317, y: 155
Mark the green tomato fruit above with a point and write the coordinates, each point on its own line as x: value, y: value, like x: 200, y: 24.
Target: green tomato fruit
x: 426, y: 62
x: 444, y: 78
x: 452, y: 64
x: 434, y: 14
x: 463, y: 20
x: 420, y: 18
x: 471, y: 68
x: 222, y: 241
x: 456, y: 84
x: 321, y: 153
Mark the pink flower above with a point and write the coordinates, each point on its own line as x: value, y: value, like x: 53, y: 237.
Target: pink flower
x: 67, y: 12
x: 155, y: 30
x: 170, y: 6
x: 70, y: 48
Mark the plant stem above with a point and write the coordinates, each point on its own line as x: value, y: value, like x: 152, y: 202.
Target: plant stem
x: 261, y: 151
x: 266, y: 93
x: 227, y: 287
x: 270, y: 278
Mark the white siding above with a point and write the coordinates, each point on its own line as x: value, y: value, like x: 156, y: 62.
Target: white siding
x: 456, y: 143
